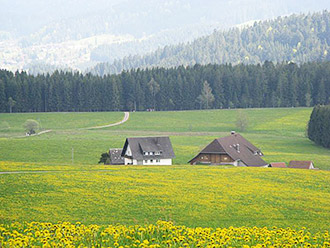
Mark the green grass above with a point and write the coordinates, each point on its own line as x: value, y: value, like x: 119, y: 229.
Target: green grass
x: 13, y: 123
x: 190, y: 195
x: 280, y: 133
x: 276, y: 121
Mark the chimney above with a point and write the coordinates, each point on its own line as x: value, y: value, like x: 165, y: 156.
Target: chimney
x: 232, y: 132
x: 237, y: 148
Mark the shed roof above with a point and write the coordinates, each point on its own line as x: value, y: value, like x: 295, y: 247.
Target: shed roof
x: 115, y: 156
x: 278, y: 165
x: 301, y: 164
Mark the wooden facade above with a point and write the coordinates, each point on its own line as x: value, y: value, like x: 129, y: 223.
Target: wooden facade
x: 232, y: 149
x: 211, y: 158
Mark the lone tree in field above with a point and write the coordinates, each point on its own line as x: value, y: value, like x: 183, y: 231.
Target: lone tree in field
x: 11, y: 103
x: 242, y: 121
x: 31, y: 126
x: 206, y: 98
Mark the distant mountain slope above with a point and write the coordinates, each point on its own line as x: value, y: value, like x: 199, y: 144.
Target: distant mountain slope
x: 78, y: 34
x: 297, y: 38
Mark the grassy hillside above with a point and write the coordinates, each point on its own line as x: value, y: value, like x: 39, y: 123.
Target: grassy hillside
x: 280, y: 133
x: 194, y: 196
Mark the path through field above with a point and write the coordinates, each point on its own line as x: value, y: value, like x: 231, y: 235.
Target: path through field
x: 126, y: 117
x: 35, y: 134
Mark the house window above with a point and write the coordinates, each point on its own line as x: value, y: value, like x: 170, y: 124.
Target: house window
x: 151, y: 160
x: 157, y: 160
x: 157, y: 153
x: 146, y: 161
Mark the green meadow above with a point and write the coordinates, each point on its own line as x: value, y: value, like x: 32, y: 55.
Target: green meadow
x: 11, y: 125
x: 280, y: 133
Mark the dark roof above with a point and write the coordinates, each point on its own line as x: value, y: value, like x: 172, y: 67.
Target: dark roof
x: 115, y: 156
x: 214, y: 147
x: 149, y: 144
x: 278, y: 165
x: 300, y: 164
x: 238, y: 148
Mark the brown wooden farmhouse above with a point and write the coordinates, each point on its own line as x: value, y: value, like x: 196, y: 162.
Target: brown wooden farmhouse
x: 233, y: 149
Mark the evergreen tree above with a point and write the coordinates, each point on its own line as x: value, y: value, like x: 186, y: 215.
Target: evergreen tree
x: 2, y: 97
x: 218, y: 86
x: 319, y: 126
x: 115, y: 96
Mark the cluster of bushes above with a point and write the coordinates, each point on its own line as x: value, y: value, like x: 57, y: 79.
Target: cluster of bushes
x: 319, y: 126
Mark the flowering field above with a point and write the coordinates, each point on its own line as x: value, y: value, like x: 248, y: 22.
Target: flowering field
x: 163, y: 234
x: 189, y: 195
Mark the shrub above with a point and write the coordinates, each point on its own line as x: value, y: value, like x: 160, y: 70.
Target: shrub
x: 105, y: 158
x: 31, y: 126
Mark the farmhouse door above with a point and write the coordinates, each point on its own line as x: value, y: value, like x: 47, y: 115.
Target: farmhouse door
x: 217, y: 159
x: 213, y: 158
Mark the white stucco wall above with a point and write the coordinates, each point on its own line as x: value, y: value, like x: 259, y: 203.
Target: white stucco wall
x: 161, y: 162
x: 128, y: 151
x: 129, y: 161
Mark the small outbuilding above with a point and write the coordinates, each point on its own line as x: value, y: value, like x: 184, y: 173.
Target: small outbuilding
x: 301, y: 164
x: 278, y: 165
x: 115, y: 156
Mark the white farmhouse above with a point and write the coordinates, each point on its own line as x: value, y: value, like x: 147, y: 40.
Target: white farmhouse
x: 148, y: 151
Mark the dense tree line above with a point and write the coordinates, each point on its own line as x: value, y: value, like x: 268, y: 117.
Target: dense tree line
x: 297, y: 38
x: 319, y: 126
x: 208, y: 86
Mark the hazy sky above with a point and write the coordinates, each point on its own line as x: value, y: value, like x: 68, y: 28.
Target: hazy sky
x: 26, y: 16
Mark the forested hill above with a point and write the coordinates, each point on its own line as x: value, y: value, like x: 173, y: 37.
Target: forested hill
x: 297, y: 38
x: 208, y: 86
